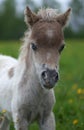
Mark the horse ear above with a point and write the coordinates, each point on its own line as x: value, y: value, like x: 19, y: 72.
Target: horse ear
x: 63, y: 18
x: 30, y: 17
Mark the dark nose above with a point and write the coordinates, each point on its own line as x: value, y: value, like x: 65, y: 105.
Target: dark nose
x: 50, y: 75
x: 54, y: 75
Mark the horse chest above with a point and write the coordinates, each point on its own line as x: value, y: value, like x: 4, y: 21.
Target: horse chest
x: 34, y: 104
x: 35, y: 111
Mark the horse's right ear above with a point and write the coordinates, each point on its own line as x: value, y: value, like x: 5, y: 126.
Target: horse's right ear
x: 63, y: 18
x: 30, y: 17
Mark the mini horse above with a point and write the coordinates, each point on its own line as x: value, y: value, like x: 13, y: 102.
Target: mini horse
x: 26, y: 84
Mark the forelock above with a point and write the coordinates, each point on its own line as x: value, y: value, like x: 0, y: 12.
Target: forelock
x: 48, y: 14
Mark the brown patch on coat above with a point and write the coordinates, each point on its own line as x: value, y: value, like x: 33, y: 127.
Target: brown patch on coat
x: 46, y: 44
x: 11, y: 72
x: 46, y: 32
x: 39, y: 34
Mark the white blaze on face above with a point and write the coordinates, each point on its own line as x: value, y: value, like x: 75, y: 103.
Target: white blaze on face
x: 49, y: 33
x: 51, y: 66
x: 48, y: 56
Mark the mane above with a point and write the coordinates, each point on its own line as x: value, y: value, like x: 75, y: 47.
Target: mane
x: 48, y: 14
x: 24, y: 46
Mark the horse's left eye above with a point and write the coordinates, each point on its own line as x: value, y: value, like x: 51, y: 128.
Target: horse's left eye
x: 34, y: 47
x: 61, y: 48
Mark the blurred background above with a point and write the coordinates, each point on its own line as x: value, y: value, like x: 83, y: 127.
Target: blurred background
x: 12, y: 19
x: 69, y: 107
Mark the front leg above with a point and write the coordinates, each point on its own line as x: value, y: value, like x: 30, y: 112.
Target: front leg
x: 48, y: 123
x: 20, y: 122
x: 4, y: 124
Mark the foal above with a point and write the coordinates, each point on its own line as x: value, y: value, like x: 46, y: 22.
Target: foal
x: 26, y: 84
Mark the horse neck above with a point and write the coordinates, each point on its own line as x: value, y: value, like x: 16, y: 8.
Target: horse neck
x: 25, y: 70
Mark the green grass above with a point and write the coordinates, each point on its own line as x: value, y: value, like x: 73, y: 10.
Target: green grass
x: 69, y: 107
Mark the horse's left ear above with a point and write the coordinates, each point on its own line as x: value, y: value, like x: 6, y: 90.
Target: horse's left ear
x: 30, y: 17
x: 63, y: 18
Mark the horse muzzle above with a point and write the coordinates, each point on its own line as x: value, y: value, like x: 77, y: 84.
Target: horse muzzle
x: 49, y: 78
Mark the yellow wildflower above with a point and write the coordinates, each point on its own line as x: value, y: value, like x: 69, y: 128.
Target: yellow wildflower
x: 79, y: 91
x: 75, y: 122
x: 4, y: 111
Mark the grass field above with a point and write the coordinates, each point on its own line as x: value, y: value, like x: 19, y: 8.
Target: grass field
x: 69, y: 107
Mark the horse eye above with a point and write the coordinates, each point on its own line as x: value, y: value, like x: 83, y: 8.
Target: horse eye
x: 34, y: 47
x: 61, y: 48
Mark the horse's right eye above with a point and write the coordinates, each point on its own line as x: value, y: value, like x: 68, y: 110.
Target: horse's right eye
x: 61, y: 48
x: 34, y: 47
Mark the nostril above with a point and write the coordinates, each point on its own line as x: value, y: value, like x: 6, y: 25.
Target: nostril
x: 44, y: 74
x: 56, y: 76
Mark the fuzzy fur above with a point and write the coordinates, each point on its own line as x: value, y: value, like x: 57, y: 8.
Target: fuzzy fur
x: 21, y: 93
